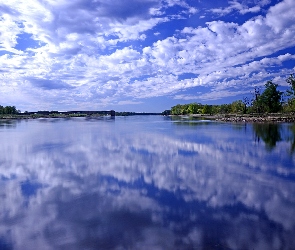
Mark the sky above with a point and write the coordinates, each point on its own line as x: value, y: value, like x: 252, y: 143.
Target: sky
x: 141, y: 55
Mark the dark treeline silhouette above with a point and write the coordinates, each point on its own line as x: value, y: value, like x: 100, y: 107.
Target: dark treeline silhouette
x: 124, y: 113
x: 8, y: 110
x: 268, y: 101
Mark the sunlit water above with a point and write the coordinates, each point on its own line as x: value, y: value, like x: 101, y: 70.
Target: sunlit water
x: 146, y: 182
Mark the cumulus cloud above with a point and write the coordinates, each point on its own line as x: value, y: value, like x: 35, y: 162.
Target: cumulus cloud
x: 280, y: 17
x: 212, y: 95
x: 243, y: 8
x: 88, y: 44
x: 128, y: 102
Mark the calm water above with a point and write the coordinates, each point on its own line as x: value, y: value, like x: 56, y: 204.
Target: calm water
x: 146, y: 183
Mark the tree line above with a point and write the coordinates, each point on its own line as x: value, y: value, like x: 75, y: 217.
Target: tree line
x: 270, y: 100
x: 8, y: 110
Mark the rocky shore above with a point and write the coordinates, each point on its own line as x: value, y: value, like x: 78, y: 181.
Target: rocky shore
x: 248, y: 118
x: 258, y: 119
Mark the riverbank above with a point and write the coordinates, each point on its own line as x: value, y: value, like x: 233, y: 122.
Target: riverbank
x: 259, y: 119
x: 37, y: 116
x: 248, y: 118
x: 87, y: 114
x: 237, y: 118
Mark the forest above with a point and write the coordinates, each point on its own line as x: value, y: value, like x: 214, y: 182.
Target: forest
x: 270, y: 100
x: 8, y: 110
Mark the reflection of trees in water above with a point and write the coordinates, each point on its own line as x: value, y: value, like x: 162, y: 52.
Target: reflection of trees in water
x: 192, y: 121
x: 269, y: 133
x: 292, y: 137
x: 272, y: 133
x: 8, y: 123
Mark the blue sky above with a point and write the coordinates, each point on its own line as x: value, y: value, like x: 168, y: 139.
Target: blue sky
x: 141, y: 55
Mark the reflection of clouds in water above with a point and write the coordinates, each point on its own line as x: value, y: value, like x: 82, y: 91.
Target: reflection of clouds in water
x: 105, y: 187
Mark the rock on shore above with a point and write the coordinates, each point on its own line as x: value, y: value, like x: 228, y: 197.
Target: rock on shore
x: 259, y: 119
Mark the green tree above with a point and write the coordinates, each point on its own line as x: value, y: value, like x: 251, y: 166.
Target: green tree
x: 289, y: 106
x: 224, y: 108
x: 8, y: 110
x: 215, y: 109
x: 185, y: 109
x: 291, y: 81
x: 176, y: 110
x: 246, y: 103
x: 237, y: 107
x: 193, y: 108
x: 166, y: 112
x: 256, y: 105
x: 271, y: 97
x: 207, y: 109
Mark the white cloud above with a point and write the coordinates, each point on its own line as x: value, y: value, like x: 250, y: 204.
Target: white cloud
x: 121, y: 56
x: 108, y: 57
x: 127, y: 31
x: 286, y: 57
x: 213, y: 95
x: 281, y: 17
x: 128, y: 103
x: 252, y: 9
x: 193, y: 10
x: 241, y: 8
x: 9, y: 31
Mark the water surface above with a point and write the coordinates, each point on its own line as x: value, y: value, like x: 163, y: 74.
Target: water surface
x: 146, y: 182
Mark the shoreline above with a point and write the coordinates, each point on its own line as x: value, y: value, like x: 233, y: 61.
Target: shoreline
x: 36, y: 116
x: 235, y: 118
x: 248, y: 118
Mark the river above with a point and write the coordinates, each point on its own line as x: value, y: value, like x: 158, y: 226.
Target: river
x: 146, y: 182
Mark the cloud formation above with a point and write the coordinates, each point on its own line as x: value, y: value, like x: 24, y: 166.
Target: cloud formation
x: 109, y: 53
